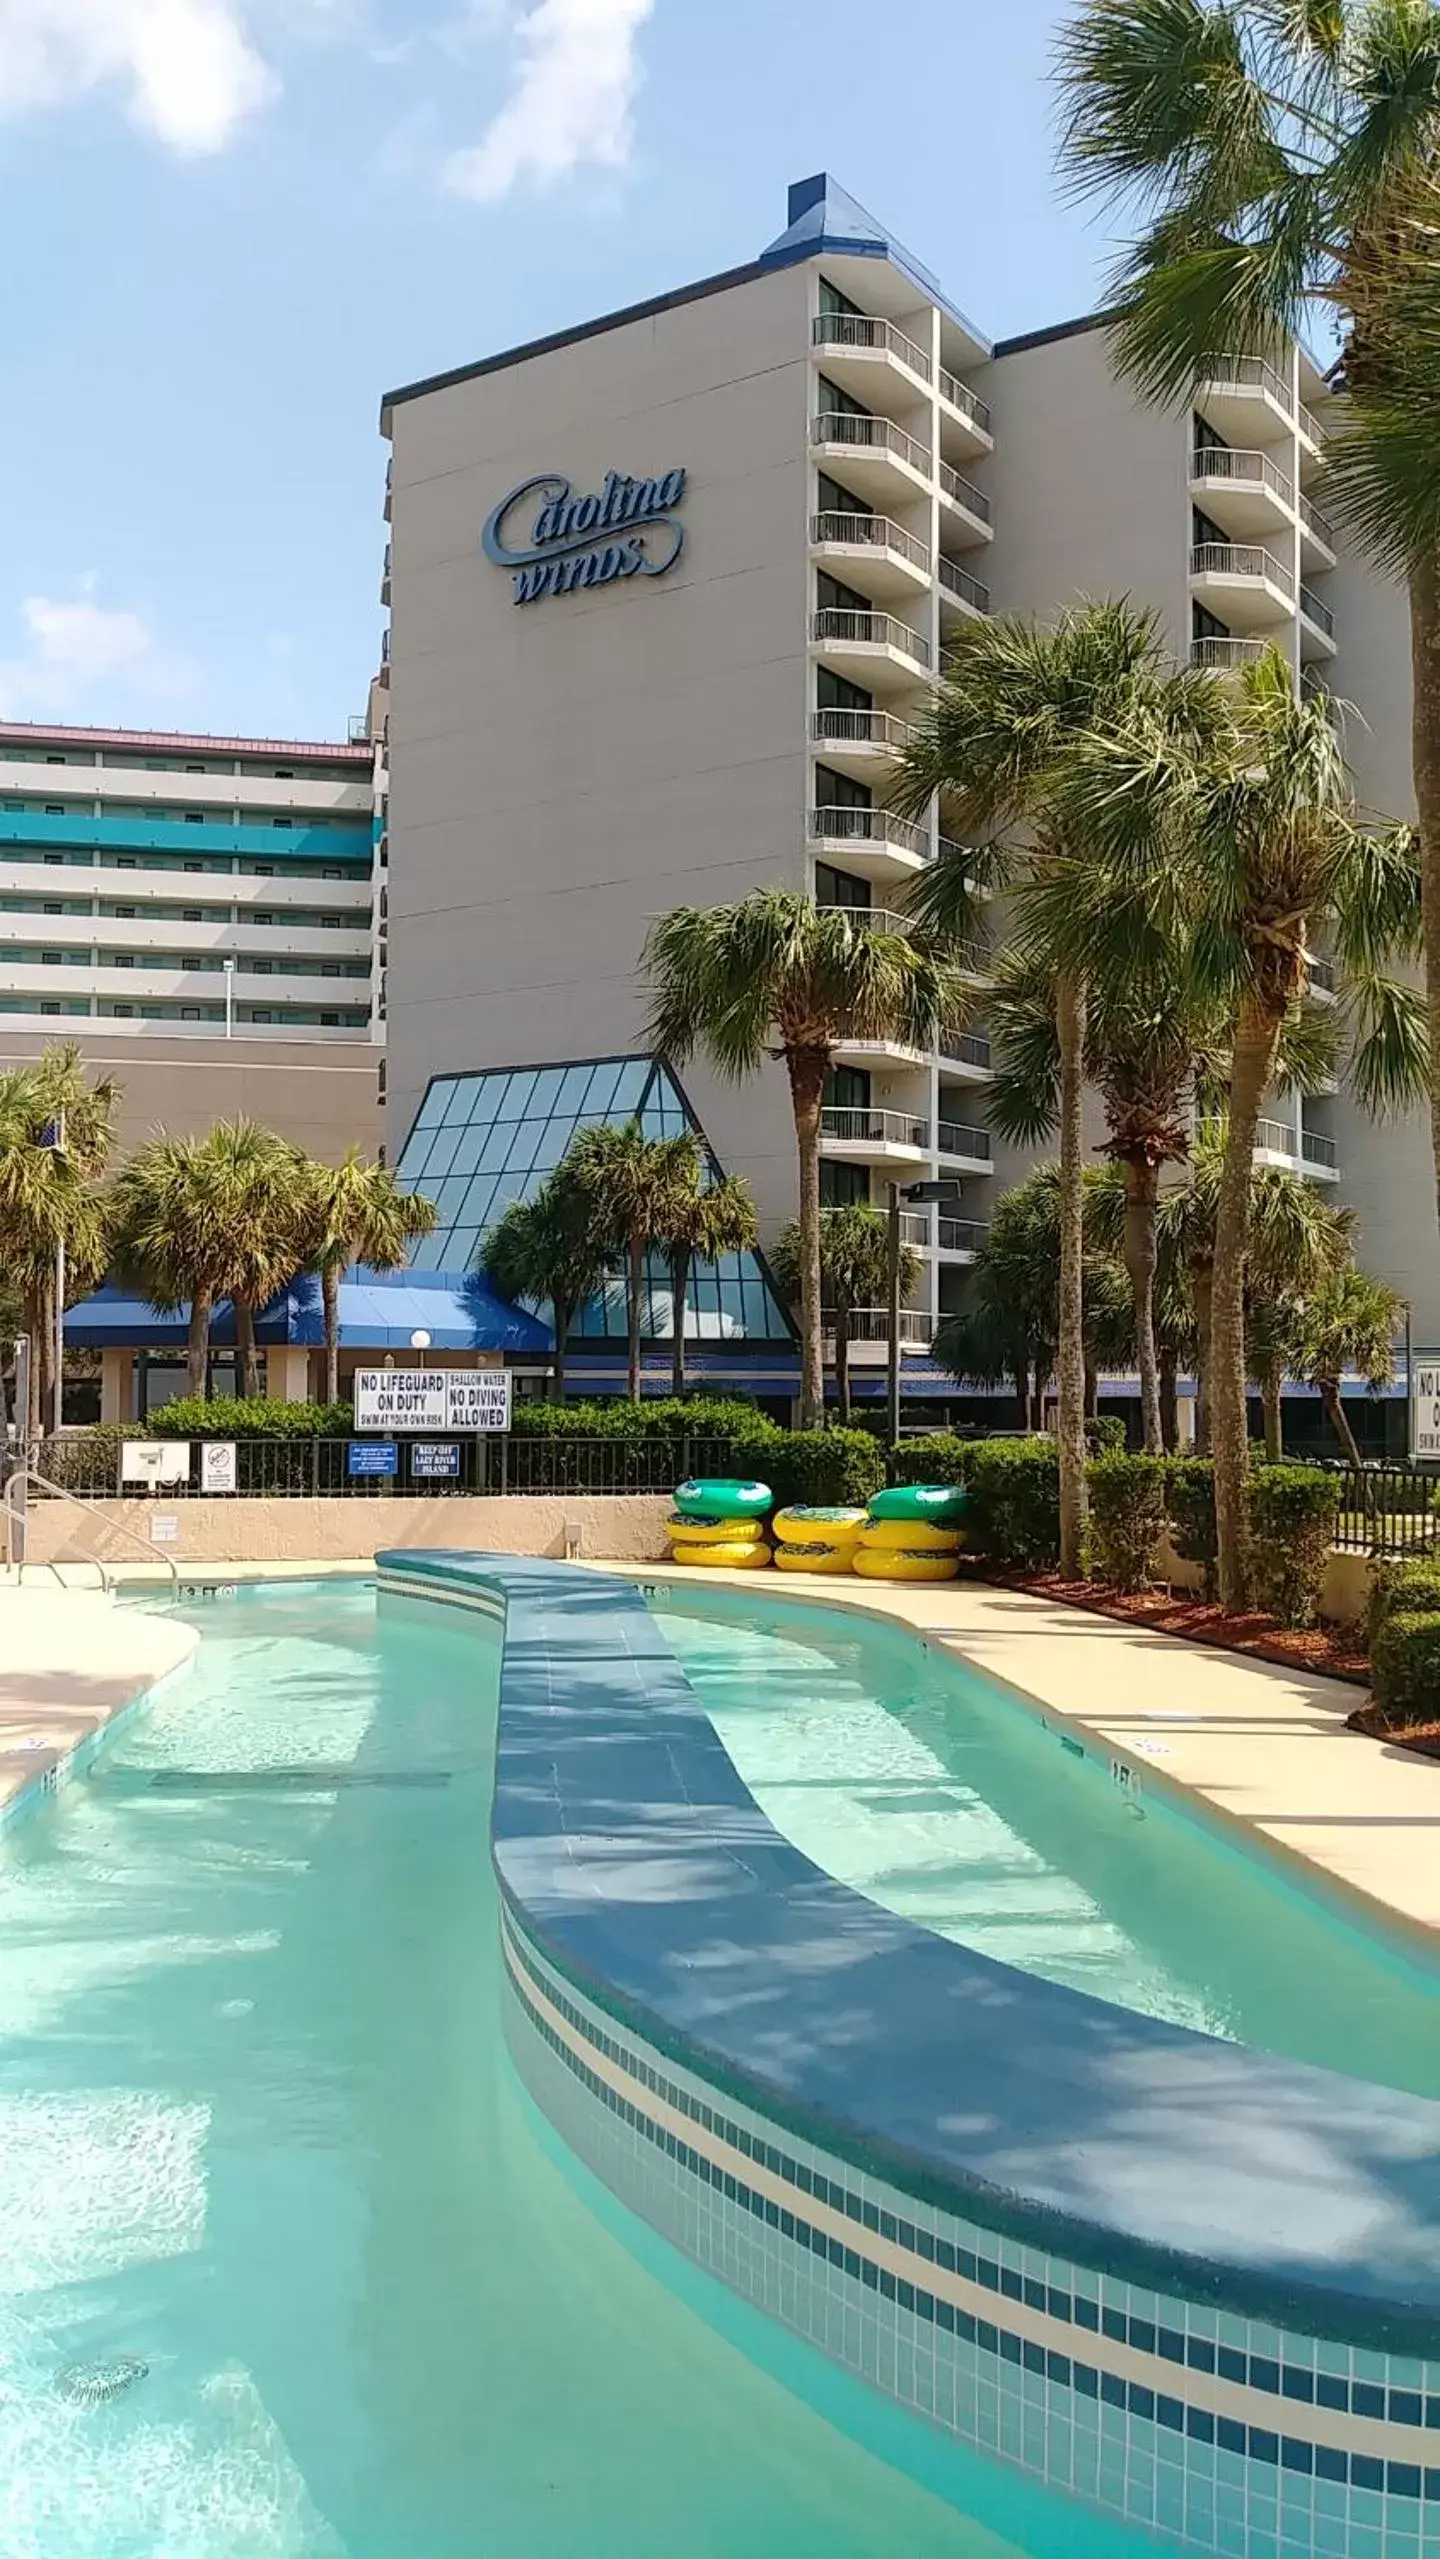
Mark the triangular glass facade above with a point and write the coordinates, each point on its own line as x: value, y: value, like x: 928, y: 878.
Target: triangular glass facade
x: 482, y: 1141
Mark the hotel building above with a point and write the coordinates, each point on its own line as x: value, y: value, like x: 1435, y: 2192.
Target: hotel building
x: 666, y: 590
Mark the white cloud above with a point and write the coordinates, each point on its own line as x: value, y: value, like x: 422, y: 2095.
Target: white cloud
x: 576, y: 73
x: 85, y: 660
x: 186, y: 69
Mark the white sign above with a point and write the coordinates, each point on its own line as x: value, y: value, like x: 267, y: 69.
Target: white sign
x: 155, y: 1461
x: 217, y: 1466
x: 432, y: 1399
x: 164, y: 1532
x: 1425, y: 1409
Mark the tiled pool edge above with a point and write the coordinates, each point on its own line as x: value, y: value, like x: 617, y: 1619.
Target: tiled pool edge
x: 1209, y: 2426
x: 55, y: 1768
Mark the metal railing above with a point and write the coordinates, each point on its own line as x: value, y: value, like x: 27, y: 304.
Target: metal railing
x: 1240, y: 560
x: 1277, y: 1137
x: 970, y: 1047
x: 961, y: 1235
x: 1238, y: 465
x: 1315, y: 1149
x: 915, y: 1329
x: 855, y: 1127
x: 14, y: 1515
x: 875, y: 435
x: 869, y: 630
x: 953, y: 1137
x: 1251, y: 373
x: 857, y: 329
x: 832, y: 727
x: 870, y: 826
x: 963, y: 492
x: 304, y: 1469
x: 1321, y: 973
x: 1316, y: 611
x: 1318, y: 524
x: 957, y: 581
x: 1310, y: 426
x: 1225, y: 652
x: 876, y: 532
x: 1386, y: 1510
x: 915, y: 1228
x: 869, y: 919
x: 961, y: 397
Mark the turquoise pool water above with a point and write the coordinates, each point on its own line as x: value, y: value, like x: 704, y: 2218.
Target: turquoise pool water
x: 908, y: 1777
x: 258, y: 2133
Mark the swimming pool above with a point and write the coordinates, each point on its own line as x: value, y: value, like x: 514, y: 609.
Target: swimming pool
x: 260, y: 2136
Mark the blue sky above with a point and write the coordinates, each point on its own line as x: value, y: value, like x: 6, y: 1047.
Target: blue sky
x: 232, y: 223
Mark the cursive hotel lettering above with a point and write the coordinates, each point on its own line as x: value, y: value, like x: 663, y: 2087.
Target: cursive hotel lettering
x: 571, y: 537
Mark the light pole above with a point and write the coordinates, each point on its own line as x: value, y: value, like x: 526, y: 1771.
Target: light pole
x: 922, y: 1194
x: 53, y: 1137
x: 229, y: 969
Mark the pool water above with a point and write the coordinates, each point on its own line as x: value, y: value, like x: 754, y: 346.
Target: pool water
x: 909, y: 1777
x: 259, y: 2136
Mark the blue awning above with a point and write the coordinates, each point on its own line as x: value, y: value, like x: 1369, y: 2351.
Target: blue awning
x: 379, y: 1310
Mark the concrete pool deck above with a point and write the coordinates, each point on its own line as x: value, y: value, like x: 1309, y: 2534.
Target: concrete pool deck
x: 70, y: 1661
x: 1265, y: 1747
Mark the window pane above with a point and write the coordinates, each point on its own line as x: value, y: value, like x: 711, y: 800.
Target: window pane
x: 603, y: 1083
x: 458, y: 1106
x: 547, y: 1086
x: 634, y: 1076
x: 467, y: 1153
x: 432, y: 1109
x: 572, y: 1088
x: 517, y: 1101
x: 442, y: 1154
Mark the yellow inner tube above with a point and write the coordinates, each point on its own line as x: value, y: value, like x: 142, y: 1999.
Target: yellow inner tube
x: 814, y: 1559
x: 908, y: 1537
x: 819, y: 1528
x: 730, y: 1556
x: 712, y: 1532
x: 888, y: 1564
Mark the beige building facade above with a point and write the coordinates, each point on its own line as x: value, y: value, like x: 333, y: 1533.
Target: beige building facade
x: 665, y: 591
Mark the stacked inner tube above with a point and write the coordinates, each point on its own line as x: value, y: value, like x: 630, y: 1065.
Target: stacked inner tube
x: 816, y: 1541
x: 718, y: 1523
x: 913, y: 1534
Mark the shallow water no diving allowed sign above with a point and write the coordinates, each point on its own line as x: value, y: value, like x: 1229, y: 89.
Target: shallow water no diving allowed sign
x: 432, y: 1399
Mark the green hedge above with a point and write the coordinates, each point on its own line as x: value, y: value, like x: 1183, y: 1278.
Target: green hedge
x: 1014, y: 1512
x: 667, y: 1417
x: 1293, y: 1512
x: 827, y: 1468
x: 1127, y: 1517
x: 1411, y: 1588
x: 1190, y: 1500
x: 1105, y: 1436
x: 243, y: 1417
x: 1405, y: 1667
x: 941, y: 1457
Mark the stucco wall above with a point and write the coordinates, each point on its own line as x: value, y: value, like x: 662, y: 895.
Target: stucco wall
x: 628, y: 1528
x: 1344, y: 1593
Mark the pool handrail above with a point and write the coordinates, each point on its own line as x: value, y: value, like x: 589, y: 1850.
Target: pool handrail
x: 32, y: 1475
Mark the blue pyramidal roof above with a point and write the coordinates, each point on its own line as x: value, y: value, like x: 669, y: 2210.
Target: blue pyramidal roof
x: 823, y: 215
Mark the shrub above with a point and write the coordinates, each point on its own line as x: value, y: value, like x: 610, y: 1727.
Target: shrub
x: 1105, y: 1435
x: 666, y: 1417
x: 1190, y: 1500
x: 244, y: 1417
x: 1127, y: 1517
x: 1014, y: 1511
x: 1405, y: 1667
x: 1293, y: 1510
x: 827, y: 1468
x: 939, y: 1458
x: 1412, y: 1587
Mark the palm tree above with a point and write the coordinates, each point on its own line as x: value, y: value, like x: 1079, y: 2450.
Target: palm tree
x: 854, y: 1272
x: 1257, y: 833
x: 356, y: 1212
x: 996, y: 740
x: 261, y: 1199
x: 49, y: 1198
x: 777, y: 976
x: 637, y: 1186
x: 167, y: 1241
x: 707, y: 1222
x: 1350, y: 1322
x: 1010, y: 1323
x: 549, y: 1250
x: 1280, y: 156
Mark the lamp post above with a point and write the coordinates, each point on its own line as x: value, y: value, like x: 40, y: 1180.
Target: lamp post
x: 921, y: 1194
x: 53, y: 1137
x: 229, y: 969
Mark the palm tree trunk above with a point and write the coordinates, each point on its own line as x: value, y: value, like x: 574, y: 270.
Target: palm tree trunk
x: 1022, y: 1393
x: 807, y: 1070
x: 197, y: 1349
x: 679, y: 1290
x: 1339, y: 1421
x: 1169, y: 1402
x: 1142, y: 1196
x: 1070, y: 1359
x: 1092, y: 1388
x: 1202, y: 1287
x: 1257, y: 1031
x: 245, y: 1344
x: 1270, y: 1385
x: 330, y: 1300
x: 635, y: 1282
x: 842, y: 1362
x: 560, y: 1316
x: 1425, y: 764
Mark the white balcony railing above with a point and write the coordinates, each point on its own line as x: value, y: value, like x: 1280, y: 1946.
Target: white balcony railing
x: 881, y: 337
x: 869, y: 919
x: 1250, y: 373
x: 869, y: 630
x: 961, y: 397
x: 880, y: 532
x: 959, y: 582
x: 1317, y: 611
x: 915, y: 1329
x: 968, y: 1048
x: 915, y: 1228
x: 961, y: 1235
x: 869, y: 826
x: 963, y: 492
x: 1225, y: 652
x: 1310, y: 426
x: 879, y: 729
x: 952, y: 1137
x: 872, y: 435
x: 1315, y: 1149
x: 1241, y: 560
x: 1322, y: 972
x: 856, y: 1126
x: 1277, y: 1137
x: 1318, y: 524
x: 1239, y: 467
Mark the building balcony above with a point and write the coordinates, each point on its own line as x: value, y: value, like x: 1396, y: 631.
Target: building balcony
x: 1321, y: 977
x: 1317, y: 625
x: 883, y: 1056
x: 880, y: 647
x: 869, y: 1333
x: 873, y: 455
x: 1312, y: 439
x: 1242, y: 583
x: 890, y: 561
x: 874, y: 844
x: 219, y: 794
x: 1319, y: 542
x: 1246, y: 400
x: 965, y: 1057
x: 1226, y: 653
x: 144, y: 834
x: 860, y: 742
x: 1319, y: 1156
x: 387, y: 565
x: 963, y: 597
x: 1243, y: 489
x: 965, y: 422
x: 1279, y: 1142
x: 960, y: 1238
x: 868, y: 919
x: 968, y: 514
x: 864, y: 1136
x: 966, y: 1146
x: 860, y: 352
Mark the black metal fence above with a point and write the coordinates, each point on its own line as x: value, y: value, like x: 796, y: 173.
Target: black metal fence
x: 1387, y: 1510
x: 306, y: 1469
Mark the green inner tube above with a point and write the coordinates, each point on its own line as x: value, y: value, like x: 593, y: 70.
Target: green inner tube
x: 718, y: 1497
x: 939, y: 1505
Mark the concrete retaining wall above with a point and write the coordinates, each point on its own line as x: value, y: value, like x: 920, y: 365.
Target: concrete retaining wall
x: 1343, y: 1596
x: 627, y: 1528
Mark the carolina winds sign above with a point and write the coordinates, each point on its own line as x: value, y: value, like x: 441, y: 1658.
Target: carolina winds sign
x: 625, y: 529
